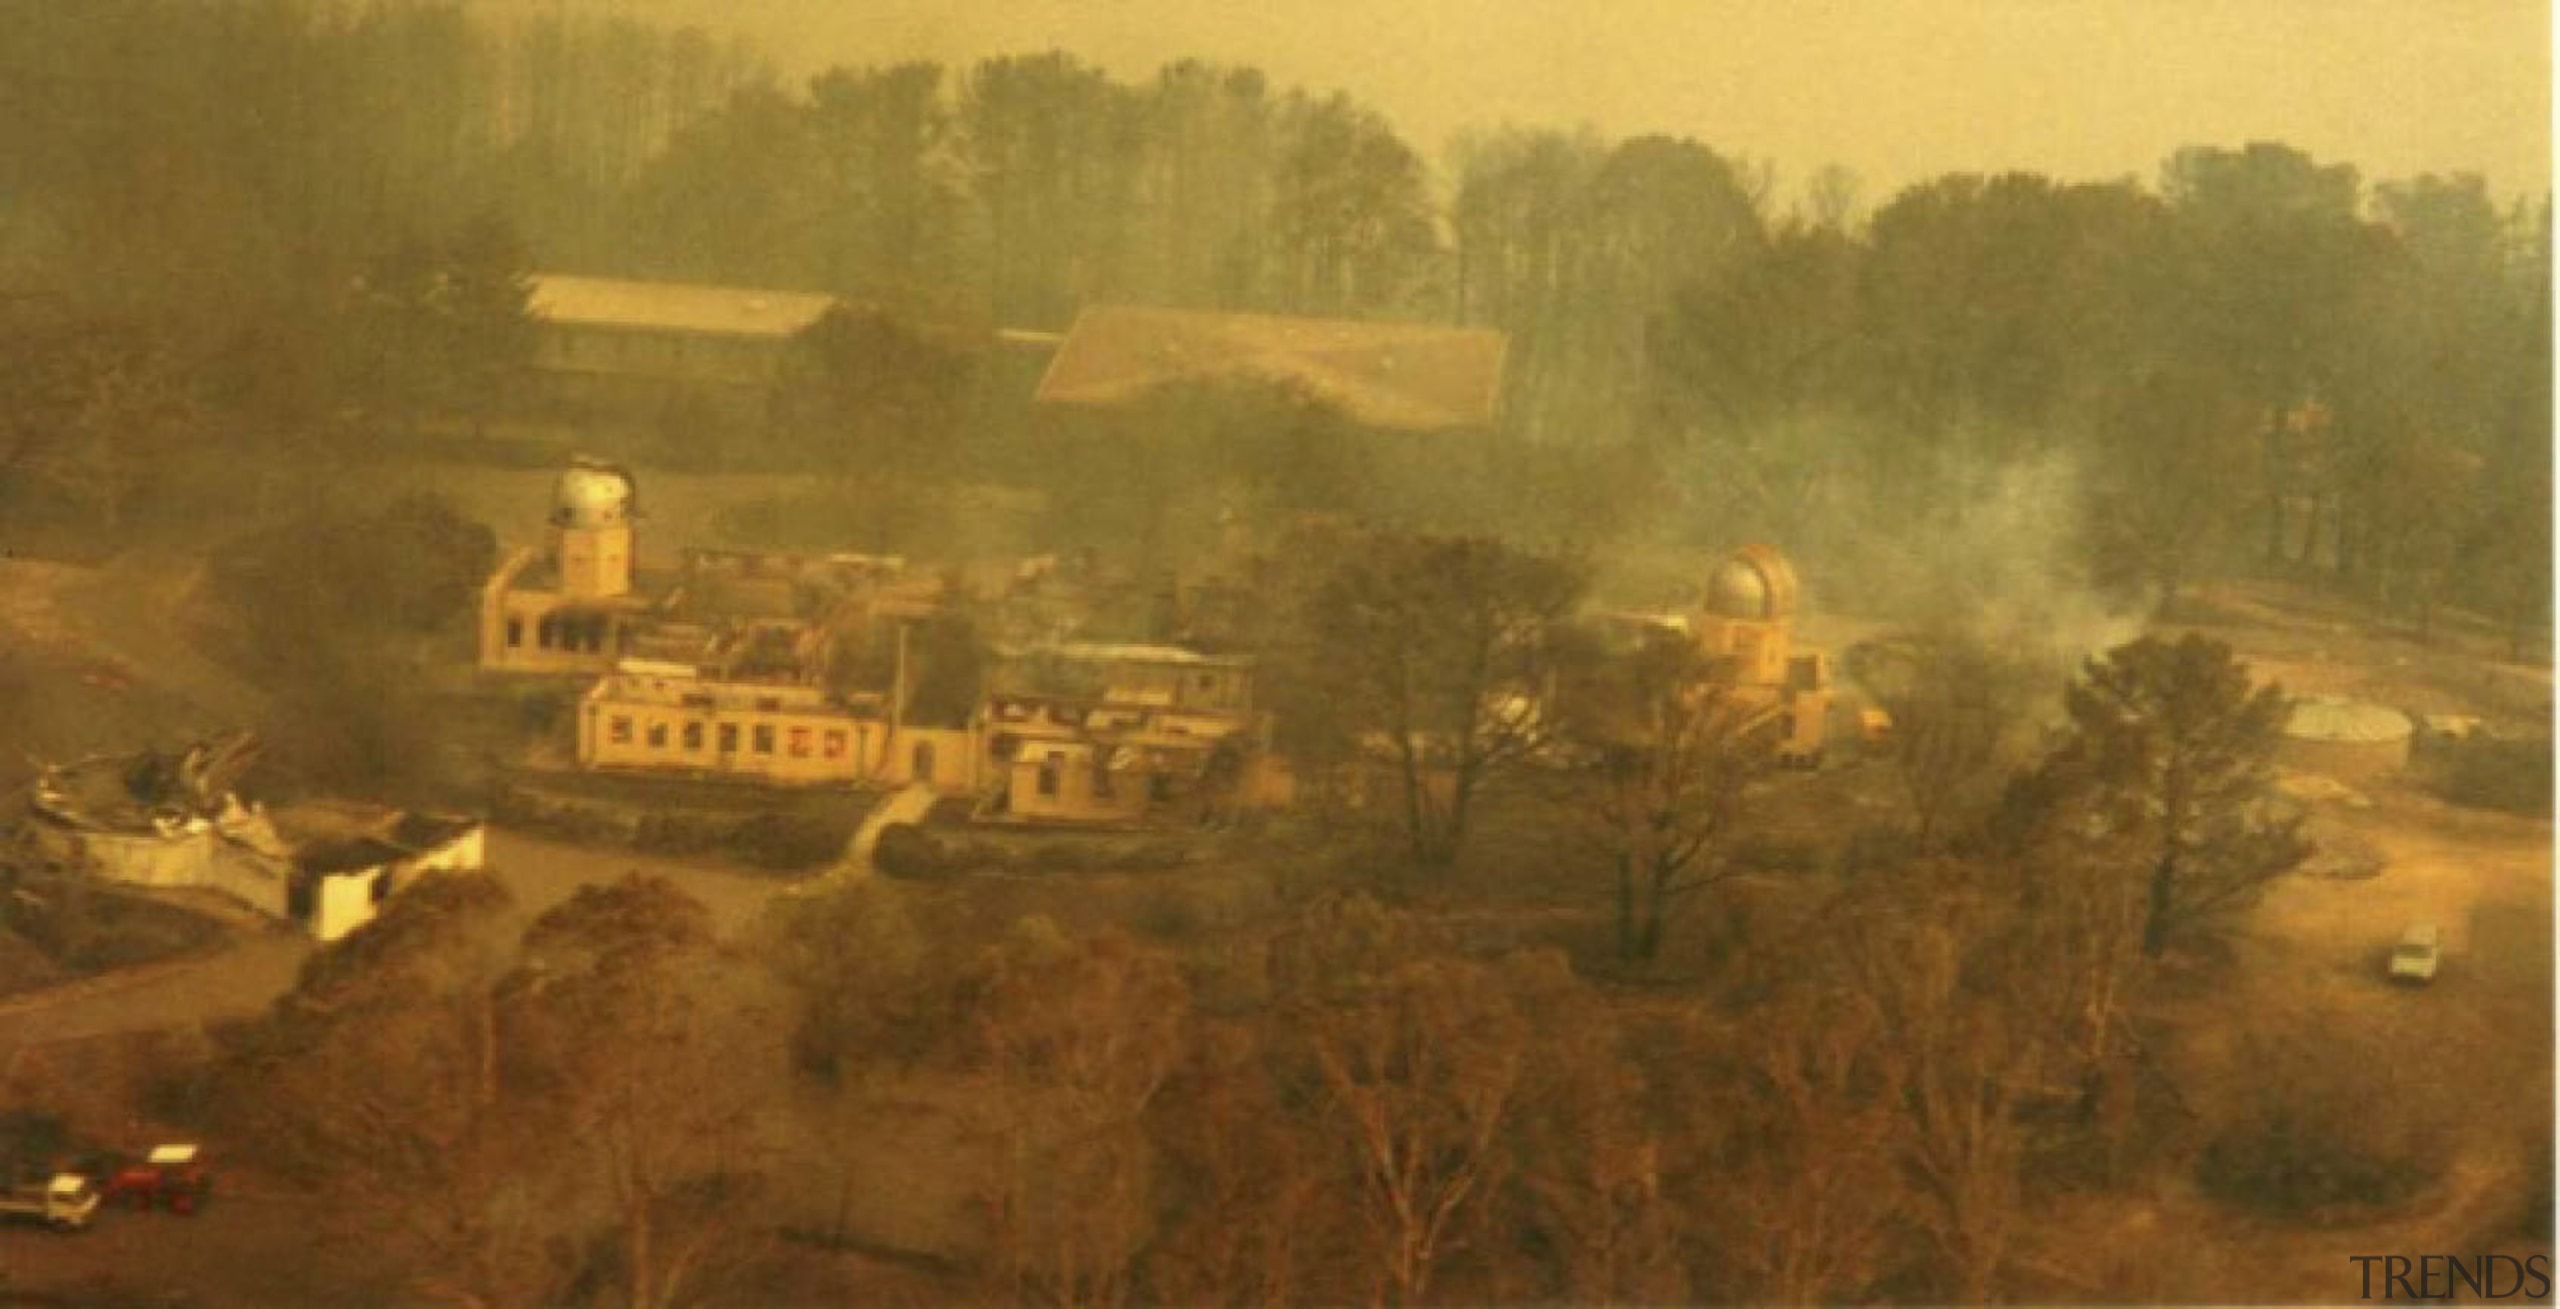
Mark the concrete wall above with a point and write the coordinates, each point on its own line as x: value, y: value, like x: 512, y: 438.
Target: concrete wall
x: 1760, y: 649
x: 951, y: 754
x: 792, y: 744
x: 1078, y: 788
x: 546, y: 632
x: 799, y: 741
x: 262, y: 883
x: 343, y: 902
x: 514, y: 637
x: 149, y: 859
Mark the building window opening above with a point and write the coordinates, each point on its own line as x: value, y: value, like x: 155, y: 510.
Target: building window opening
x: 764, y: 740
x: 545, y: 631
x: 728, y: 738
x: 1049, y: 775
x: 921, y: 768
x: 620, y: 731
x: 799, y: 743
x: 515, y: 633
x: 693, y: 736
x: 657, y: 736
x: 835, y: 744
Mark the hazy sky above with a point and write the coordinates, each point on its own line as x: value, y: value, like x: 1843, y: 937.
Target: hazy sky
x: 1896, y: 90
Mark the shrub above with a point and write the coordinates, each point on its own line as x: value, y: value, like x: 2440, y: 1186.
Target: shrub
x: 1779, y: 854
x: 1170, y: 914
x: 2334, y: 1133
x: 675, y: 834
x: 1876, y: 849
x: 2508, y: 775
x: 1068, y: 857
x: 906, y: 850
x: 2298, y: 1165
x: 786, y: 842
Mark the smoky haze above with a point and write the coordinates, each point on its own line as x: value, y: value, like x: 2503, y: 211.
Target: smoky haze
x: 1895, y: 90
x: 1134, y: 654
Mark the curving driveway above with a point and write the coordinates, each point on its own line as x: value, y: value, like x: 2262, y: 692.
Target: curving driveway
x: 251, y: 968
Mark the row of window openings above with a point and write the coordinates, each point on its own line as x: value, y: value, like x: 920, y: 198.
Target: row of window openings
x: 763, y: 739
x: 561, y: 633
x: 1159, y: 787
x: 831, y: 743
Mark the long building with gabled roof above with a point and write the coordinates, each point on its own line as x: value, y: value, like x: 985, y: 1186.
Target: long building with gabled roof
x: 1394, y: 376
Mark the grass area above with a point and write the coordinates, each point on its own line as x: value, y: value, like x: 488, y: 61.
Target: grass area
x: 57, y: 928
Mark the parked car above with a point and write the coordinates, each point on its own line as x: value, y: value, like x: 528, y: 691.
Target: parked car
x: 172, y: 1175
x: 2414, y: 960
x: 65, y: 1202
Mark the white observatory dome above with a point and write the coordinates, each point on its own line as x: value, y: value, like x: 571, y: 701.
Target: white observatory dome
x: 591, y: 494
x: 1736, y: 590
x: 1754, y: 583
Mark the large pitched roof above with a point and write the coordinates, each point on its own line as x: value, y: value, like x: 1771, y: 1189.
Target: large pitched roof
x: 1410, y: 376
x: 674, y: 306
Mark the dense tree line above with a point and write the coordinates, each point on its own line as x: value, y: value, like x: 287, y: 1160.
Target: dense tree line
x: 2261, y: 360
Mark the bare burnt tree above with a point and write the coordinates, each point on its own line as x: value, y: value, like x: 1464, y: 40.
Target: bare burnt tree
x: 1441, y: 648
x: 1420, y: 1073
x: 648, y: 1049
x: 1667, y: 750
x: 1952, y: 699
x: 1251, y: 1211
x: 1078, y: 1038
x: 1595, y: 1222
x: 425, y: 1170
x: 1808, y: 1203
x: 1962, y: 1058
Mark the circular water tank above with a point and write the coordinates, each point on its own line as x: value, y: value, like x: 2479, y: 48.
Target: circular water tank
x: 591, y: 495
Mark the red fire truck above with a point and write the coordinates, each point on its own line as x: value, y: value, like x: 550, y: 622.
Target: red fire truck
x: 172, y: 1176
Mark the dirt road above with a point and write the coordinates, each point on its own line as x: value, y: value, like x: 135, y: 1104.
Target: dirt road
x: 2473, y: 1052
x: 253, y: 968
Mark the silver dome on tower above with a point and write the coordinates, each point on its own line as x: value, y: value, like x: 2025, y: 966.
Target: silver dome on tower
x: 592, y: 493
x: 1755, y: 584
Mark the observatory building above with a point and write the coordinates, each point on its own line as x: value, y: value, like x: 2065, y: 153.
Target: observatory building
x: 570, y: 606
x: 1745, y: 628
x: 1744, y: 632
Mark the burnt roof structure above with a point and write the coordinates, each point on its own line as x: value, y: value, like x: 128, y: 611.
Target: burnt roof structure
x: 1399, y: 376
x: 148, y: 790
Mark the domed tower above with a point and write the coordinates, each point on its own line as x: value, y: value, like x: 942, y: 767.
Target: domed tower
x: 591, y: 512
x: 1749, y: 615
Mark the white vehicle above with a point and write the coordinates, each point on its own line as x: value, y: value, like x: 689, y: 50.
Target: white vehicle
x: 65, y: 1204
x: 2414, y: 959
